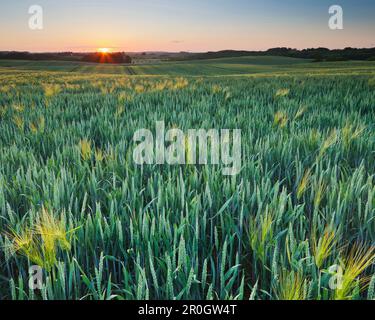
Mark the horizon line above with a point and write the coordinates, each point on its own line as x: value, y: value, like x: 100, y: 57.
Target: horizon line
x: 188, y: 51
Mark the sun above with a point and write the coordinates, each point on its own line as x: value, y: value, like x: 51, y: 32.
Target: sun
x: 104, y: 50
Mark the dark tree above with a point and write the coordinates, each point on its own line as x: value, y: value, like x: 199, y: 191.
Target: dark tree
x: 115, y: 57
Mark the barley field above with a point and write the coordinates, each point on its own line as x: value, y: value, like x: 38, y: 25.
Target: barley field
x: 298, y: 222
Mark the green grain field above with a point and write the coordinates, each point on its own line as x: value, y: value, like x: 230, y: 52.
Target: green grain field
x: 300, y: 215
x: 213, y: 67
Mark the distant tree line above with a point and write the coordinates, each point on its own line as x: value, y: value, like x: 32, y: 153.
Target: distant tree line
x: 324, y: 54
x: 116, y: 57
x: 24, y: 55
x: 316, y: 54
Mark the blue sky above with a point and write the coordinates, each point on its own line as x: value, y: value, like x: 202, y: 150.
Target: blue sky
x: 177, y: 25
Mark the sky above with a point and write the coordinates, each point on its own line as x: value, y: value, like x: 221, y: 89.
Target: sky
x: 184, y: 25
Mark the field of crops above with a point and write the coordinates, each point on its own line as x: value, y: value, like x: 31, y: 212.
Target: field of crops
x: 297, y: 223
x: 213, y: 67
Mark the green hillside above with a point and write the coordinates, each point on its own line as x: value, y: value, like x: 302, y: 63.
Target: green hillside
x: 212, y: 67
x: 223, y: 66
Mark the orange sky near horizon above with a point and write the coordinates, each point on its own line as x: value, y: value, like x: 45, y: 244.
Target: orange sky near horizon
x: 166, y: 25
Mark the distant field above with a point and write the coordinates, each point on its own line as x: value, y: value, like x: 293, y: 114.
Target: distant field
x: 213, y: 67
x: 224, y: 66
x: 253, y: 60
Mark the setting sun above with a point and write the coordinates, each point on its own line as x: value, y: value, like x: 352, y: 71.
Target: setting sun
x: 104, y: 50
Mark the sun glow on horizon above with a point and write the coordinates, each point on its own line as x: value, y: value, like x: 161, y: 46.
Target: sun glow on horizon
x: 104, y: 50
